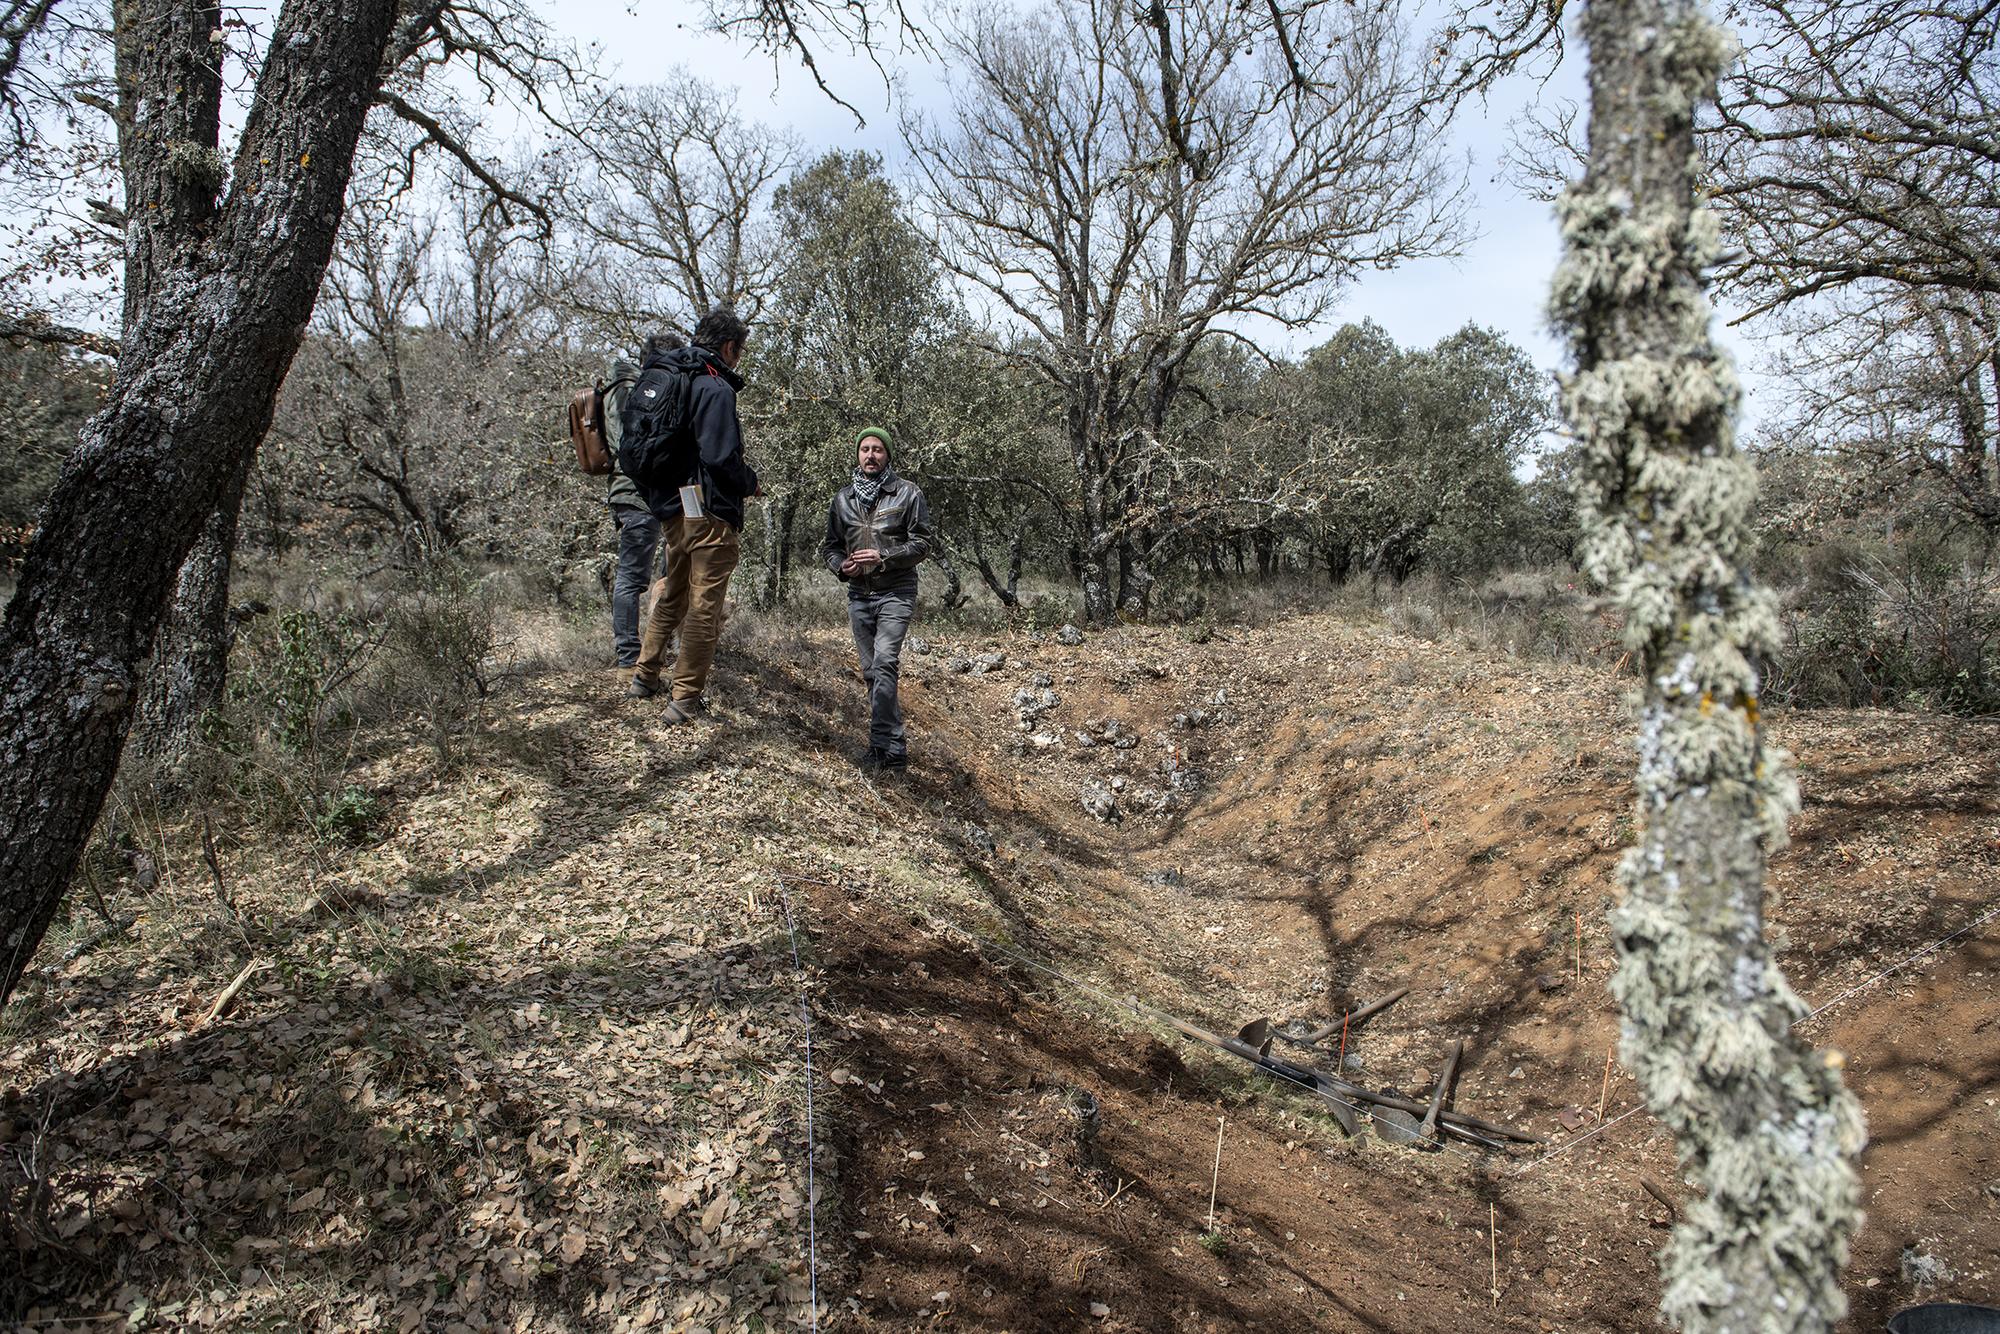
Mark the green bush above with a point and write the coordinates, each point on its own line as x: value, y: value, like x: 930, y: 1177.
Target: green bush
x: 348, y: 815
x: 1911, y: 624
x: 438, y: 661
x: 293, y: 681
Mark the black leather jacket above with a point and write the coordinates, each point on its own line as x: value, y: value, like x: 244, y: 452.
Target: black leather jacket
x: 898, y: 525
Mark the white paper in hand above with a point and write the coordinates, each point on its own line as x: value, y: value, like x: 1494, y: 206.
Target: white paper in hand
x: 691, y: 502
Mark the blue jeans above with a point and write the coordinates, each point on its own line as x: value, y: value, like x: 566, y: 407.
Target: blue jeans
x: 880, y: 621
x: 638, y: 539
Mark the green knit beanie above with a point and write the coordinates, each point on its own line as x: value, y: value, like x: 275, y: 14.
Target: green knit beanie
x: 880, y: 433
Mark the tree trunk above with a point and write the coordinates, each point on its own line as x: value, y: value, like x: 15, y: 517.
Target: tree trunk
x: 1098, y: 540
x: 191, y: 657
x: 1098, y: 604
x: 954, y: 587
x: 785, y: 523
x: 778, y: 546
x: 1002, y: 591
x: 1135, y: 577
x: 216, y: 303
x: 1008, y: 590
x: 1762, y: 1121
x: 1339, y: 562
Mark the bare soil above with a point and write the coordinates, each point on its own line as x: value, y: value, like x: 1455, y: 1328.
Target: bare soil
x: 532, y: 1057
x: 1377, y: 812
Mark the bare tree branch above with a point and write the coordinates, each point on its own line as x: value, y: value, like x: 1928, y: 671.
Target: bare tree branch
x: 434, y: 131
x: 40, y: 331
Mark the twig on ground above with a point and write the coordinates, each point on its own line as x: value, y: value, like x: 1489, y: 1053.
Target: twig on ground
x: 1659, y: 1192
x: 229, y: 992
x: 1605, y: 1089
x: 112, y: 927
x: 1493, y: 1248
x: 214, y: 861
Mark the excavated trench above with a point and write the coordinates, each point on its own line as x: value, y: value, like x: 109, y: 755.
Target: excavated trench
x: 1255, y: 828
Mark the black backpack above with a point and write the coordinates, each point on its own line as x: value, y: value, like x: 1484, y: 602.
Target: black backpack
x: 656, y: 445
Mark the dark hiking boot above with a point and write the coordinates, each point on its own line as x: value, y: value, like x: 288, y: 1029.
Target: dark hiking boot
x: 680, y: 711
x: 642, y: 689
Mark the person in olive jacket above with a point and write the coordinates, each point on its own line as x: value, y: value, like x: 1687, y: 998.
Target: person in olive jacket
x: 638, y: 528
x: 878, y: 531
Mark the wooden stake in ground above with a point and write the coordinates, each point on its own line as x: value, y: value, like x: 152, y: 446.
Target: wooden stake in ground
x: 1605, y: 1088
x: 1216, y: 1174
x: 1493, y: 1249
x: 1579, y: 949
x: 1341, y: 1063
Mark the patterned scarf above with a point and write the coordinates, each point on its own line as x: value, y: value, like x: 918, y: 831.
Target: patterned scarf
x: 867, y: 488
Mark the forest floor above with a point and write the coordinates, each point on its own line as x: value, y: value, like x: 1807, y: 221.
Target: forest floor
x: 531, y: 1055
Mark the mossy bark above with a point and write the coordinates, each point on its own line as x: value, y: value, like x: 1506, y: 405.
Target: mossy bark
x: 191, y: 655
x: 221, y: 274
x: 1763, y: 1122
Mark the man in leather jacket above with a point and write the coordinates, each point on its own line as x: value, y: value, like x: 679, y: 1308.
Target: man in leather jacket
x: 878, y: 531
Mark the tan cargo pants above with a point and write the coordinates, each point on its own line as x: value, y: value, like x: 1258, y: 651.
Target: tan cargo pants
x: 701, y: 555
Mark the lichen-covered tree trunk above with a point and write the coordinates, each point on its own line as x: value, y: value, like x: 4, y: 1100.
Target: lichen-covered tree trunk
x: 217, y: 298
x: 1763, y: 1122
x: 191, y: 656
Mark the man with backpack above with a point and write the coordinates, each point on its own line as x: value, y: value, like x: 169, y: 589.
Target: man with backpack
x: 682, y: 443
x: 878, y: 531
x: 638, y: 530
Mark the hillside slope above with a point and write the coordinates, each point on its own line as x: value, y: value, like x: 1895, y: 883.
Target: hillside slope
x: 533, y: 1058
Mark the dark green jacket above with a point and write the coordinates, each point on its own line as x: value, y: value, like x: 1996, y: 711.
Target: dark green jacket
x: 619, y: 377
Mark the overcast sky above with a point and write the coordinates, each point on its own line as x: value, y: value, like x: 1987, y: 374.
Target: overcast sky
x: 1500, y: 280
